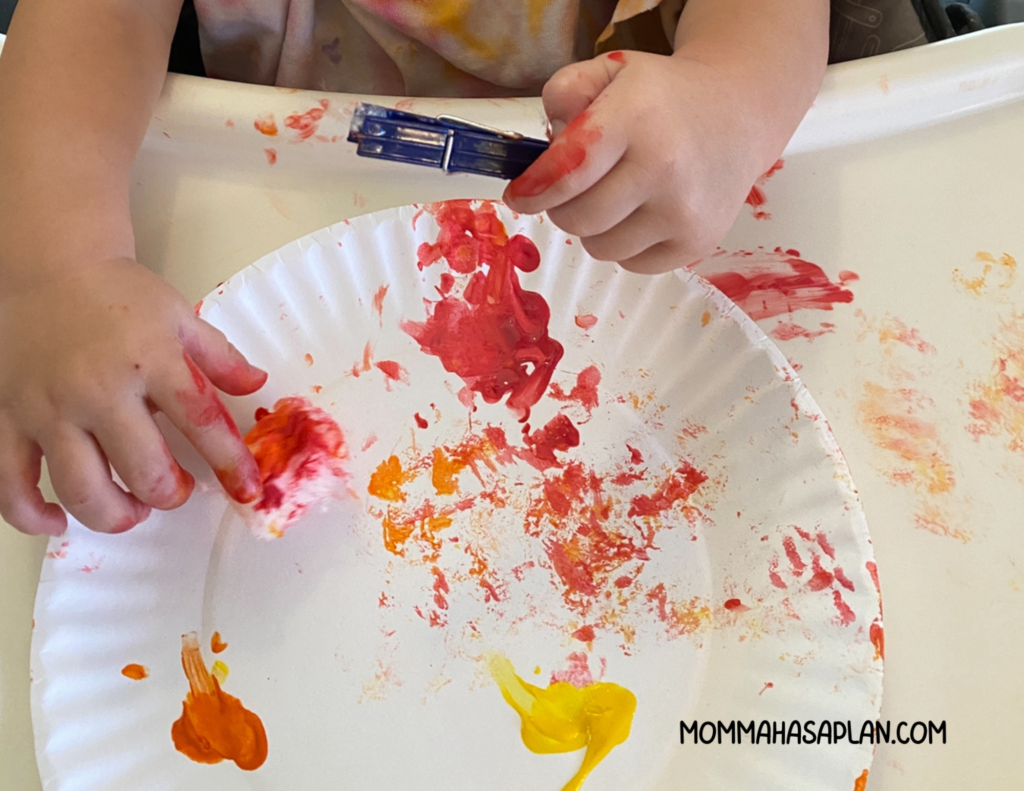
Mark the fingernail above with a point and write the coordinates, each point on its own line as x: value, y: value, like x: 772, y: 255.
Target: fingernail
x: 240, y: 487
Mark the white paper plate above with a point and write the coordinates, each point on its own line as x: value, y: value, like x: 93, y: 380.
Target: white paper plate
x: 740, y: 611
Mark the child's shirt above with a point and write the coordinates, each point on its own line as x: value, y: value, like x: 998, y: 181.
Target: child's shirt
x: 422, y: 47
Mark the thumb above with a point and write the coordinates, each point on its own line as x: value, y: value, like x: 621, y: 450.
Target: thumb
x: 223, y: 364
x: 573, y: 88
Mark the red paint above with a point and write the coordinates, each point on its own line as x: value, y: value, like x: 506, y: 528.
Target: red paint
x: 678, y: 487
x: 266, y: 125
x: 306, y: 124
x: 586, y: 321
x: 795, y: 561
x: 846, y: 616
x: 495, y: 337
x: 635, y: 456
x: 768, y: 685
x: 198, y: 308
x: 202, y: 405
x: 735, y: 605
x: 825, y: 545
x: 799, y: 531
x: 820, y: 578
x: 446, y: 284
x: 558, y: 435
x: 877, y: 635
x: 378, y: 300
x: 585, y: 634
x: 788, y: 330
x: 584, y: 391
x: 617, y: 56
x: 392, y: 371
x: 577, y: 673
x: 567, y: 154
x: 766, y: 283
x: 440, y: 588
x: 873, y: 571
x: 623, y: 582
x: 420, y: 421
x: 295, y: 443
x: 61, y: 553
x: 842, y: 579
x: 773, y: 575
x: 271, y: 155
x: 756, y: 198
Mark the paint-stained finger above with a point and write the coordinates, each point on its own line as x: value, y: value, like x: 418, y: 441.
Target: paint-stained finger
x: 82, y: 481
x: 223, y: 364
x: 573, y: 88
x: 138, y: 453
x: 21, y: 503
x: 192, y: 404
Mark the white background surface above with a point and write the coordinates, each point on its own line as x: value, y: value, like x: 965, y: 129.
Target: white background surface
x: 928, y: 174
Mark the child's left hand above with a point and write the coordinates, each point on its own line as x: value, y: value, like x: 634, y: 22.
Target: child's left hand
x: 654, y: 159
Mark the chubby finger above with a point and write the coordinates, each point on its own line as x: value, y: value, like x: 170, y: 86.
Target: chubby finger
x: 191, y: 403
x: 606, y: 204
x: 641, y: 230
x: 21, y: 503
x: 81, y: 479
x: 223, y: 364
x: 589, y: 147
x: 138, y: 453
x: 659, y: 258
x: 573, y: 88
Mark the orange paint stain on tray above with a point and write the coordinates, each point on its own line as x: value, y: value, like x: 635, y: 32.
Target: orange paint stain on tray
x: 266, y: 125
x: 997, y: 401
x: 378, y: 302
x: 135, y: 672
x: 861, y: 783
x: 494, y: 336
x: 300, y: 451
x: 217, y: 644
x: 997, y: 274
x: 766, y: 283
x: 214, y: 726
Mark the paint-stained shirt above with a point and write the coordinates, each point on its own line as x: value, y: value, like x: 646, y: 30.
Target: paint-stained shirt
x: 422, y: 47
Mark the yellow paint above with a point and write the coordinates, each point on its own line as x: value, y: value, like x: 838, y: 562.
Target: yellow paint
x: 563, y: 718
x: 220, y: 671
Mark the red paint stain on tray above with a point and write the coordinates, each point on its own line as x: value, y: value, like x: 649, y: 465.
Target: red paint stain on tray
x: 420, y: 420
x: 567, y: 153
x: 392, y: 371
x: 586, y: 321
x: 735, y: 605
x: 214, y: 726
x: 300, y: 451
x: 584, y: 392
x: 559, y: 434
x: 306, y: 124
x: 271, y: 154
x: 756, y: 198
x: 766, y: 283
x: 378, y: 302
x: 495, y: 336
x: 788, y: 330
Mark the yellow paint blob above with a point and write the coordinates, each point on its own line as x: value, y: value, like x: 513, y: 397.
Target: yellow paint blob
x: 563, y: 718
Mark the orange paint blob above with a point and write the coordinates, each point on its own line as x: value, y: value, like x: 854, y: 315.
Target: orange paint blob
x: 266, y: 125
x: 387, y: 480
x: 217, y: 645
x: 135, y: 672
x: 214, y: 726
x: 861, y: 783
x: 877, y: 634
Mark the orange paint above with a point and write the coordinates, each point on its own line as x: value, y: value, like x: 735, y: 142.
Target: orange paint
x: 567, y: 154
x: 444, y: 473
x: 135, y: 672
x: 997, y: 401
x: 215, y: 726
x: 1002, y: 272
x: 217, y: 645
x: 387, y: 480
x: 877, y: 635
x: 365, y: 365
x: 705, y: 318
x: 266, y: 125
x: 586, y: 321
x: 861, y: 783
x: 309, y: 358
x: 378, y: 301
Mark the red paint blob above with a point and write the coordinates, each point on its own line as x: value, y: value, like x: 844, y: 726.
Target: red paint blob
x: 586, y: 321
x: 678, y: 487
x: 756, y: 198
x: 617, y: 56
x: 567, y: 153
x: 584, y: 391
x: 769, y: 283
x: 635, y: 456
x: 559, y: 434
x: 495, y: 337
x: 306, y: 124
x: 392, y: 371
x: 820, y: 578
x: 796, y: 563
x: 585, y: 634
x: 420, y: 420
x: 735, y: 605
x: 788, y: 330
x: 846, y: 616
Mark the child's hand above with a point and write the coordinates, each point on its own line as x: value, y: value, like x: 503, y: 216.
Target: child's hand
x: 654, y: 164
x: 86, y: 358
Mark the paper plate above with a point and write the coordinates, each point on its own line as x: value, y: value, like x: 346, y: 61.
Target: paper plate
x: 702, y: 545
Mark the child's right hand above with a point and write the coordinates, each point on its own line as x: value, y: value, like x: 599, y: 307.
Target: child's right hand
x: 87, y: 356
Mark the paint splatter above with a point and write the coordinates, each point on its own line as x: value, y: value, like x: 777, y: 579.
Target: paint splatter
x: 997, y: 401
x: 567, y: 154
x: 735, y: 605
x: 60, y: 553
x: 420, y: 420
x: 378, y: 302
x: 565, y: 718
x: 584, y: 392
x: 392, y: 371
x: 756, y: 198
x: 768, y: 685
x: 271, y: 154
x: 586, y: 321
x: 214, y: 726
x: 495, y: 337
x: 300, y: 451
x: 861, y: 783
x: 266, y: 125
x: 135, y: 672
x: 996, y: 278
x: 788, y: 330
x: 766, y: 283
x: 217, y: 645
x: 306, y: 124
x: 308, y: 358
x: 877, y: 635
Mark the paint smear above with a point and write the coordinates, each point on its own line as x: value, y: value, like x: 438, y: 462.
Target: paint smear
x: 378, y: 302
x: 861, y: 783
x: 563, y: 718
x: 300, y: 451
x: 568, y: 153
x: 266, y: 125
x: 997, y: 401
x: 756, y: 198
x: 586, y: 321
x: 271, y: 155
x: 306, y: 124
x: 495, y: 335
x: 997, y: 274
x: 135, y: 672
x: 584, y: 392
x: 214, y: 726
x: 789, y: 330
x: 217, y: 644
x: 766, y: 283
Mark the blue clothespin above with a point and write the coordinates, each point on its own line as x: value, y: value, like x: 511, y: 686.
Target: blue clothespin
x: 452, y: 144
